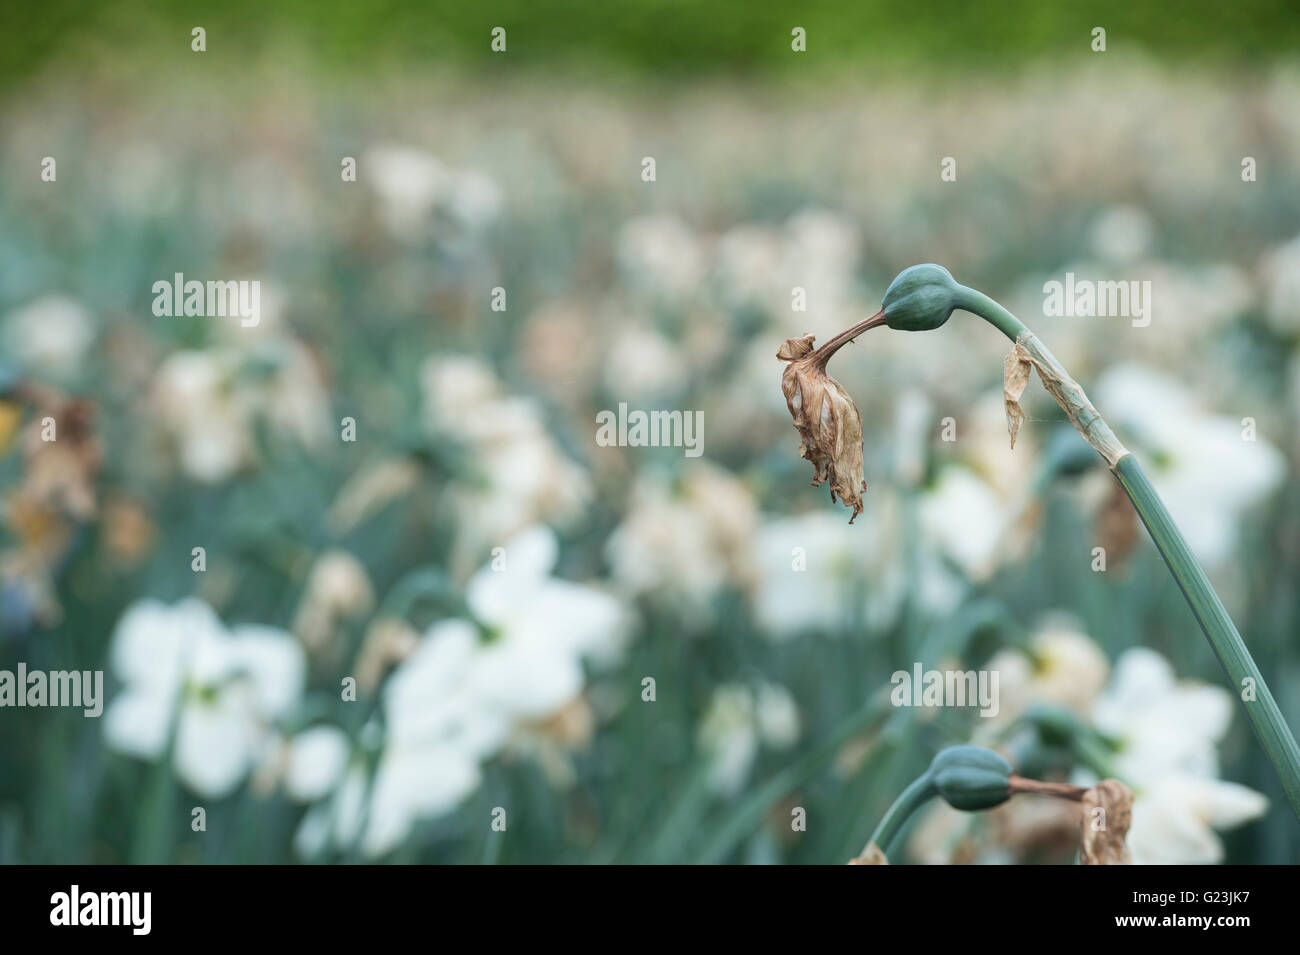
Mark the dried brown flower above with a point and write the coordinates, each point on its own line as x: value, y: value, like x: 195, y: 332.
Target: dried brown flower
x: 871, y: 855
x: 388, y: 641
x: 62, y: 456
x: 61, y: 474
x: 1107, y: 815
x: 826, y: 418
x: 1116, y: 525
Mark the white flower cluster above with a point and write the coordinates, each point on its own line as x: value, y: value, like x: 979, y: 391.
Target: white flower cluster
x: 454, y: 703
x: 213, y: 696
x: 522, y: 477
x: 1165, y: 733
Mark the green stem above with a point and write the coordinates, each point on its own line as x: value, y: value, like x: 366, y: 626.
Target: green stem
x: 1261, y: 709
x: 977, y: 303
x: 912, y: 798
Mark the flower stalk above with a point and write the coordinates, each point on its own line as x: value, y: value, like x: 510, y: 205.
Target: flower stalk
x: 972, y: 779
x: 923, y: 297
x: 1019, y: 784
x: 917, y: 794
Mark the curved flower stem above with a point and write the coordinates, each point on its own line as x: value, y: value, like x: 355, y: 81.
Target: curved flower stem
x: 909, y: 801
x: 977, y: 303
x: 833, y: 345
x: 1261, y: 709
x: 1265, y: 717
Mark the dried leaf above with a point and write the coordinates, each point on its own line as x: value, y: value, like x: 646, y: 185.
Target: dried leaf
x: 871, y: 855
x: 1107, y: 815
x: 1015, y: 378
x: 1068, y: 393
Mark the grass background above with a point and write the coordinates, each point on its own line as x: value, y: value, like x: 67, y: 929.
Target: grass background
x: 640, y: 38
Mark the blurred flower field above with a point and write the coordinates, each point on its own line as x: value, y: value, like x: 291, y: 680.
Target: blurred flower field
x: 638, y: 655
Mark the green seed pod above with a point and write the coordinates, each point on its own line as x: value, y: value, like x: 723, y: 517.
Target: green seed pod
x: 920, y: 298
x: 971, y: 777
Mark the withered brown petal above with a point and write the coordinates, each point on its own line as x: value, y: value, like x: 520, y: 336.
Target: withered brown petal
x: 871, y: 855
x: 1015, y: 377
x: 1107, y: 815
x: 795, y: 348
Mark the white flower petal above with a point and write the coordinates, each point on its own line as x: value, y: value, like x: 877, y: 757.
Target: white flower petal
x: 527, y: 682
x: 415, y: 783
x: 274, y: 662
x: 1222, y: 804
x: 1165, y: 832
x: 529, y: 557
x: 317, y: 758
x: 138, y: 722
x: 1140, y: 675
x: 214, y: 745
x: 964, y: 518
x: 152, y: 641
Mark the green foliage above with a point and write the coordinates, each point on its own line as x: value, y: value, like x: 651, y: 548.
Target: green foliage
x: 658, y: 37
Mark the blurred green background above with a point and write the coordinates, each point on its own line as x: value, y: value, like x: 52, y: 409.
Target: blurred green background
x: 648, y: 39
x: 371, y: 560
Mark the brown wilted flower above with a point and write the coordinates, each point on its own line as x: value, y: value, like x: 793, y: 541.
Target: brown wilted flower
x: 128, y: 532
x: 63, y: 453
x: 337, y: 588
x: 62, y: 456
x: 826, y: 418
x: 871, y: 855
x: 1107, y: 815
x: 388, y: 641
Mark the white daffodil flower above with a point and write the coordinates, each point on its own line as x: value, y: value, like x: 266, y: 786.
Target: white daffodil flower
x: 685, y: 543
x: 315, y: 763
x: 814, y: 570
x: 1174, y: 821
x: 1064, y: 667
x: 1169, y: 731
x: 543, y: 627
x: 963, y: 519
x: 209, y: 403
x: 411, y: 185
x: 662, y: 255
x: 408, y: 182
x: 739, y: 720
x: 525, y: 477
x: 49, y: 336
x: 460, y: 696
x: 222, y: 690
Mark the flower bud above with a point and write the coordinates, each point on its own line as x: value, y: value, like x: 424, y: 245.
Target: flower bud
x: 920, y: 298
x: 971, y: 777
